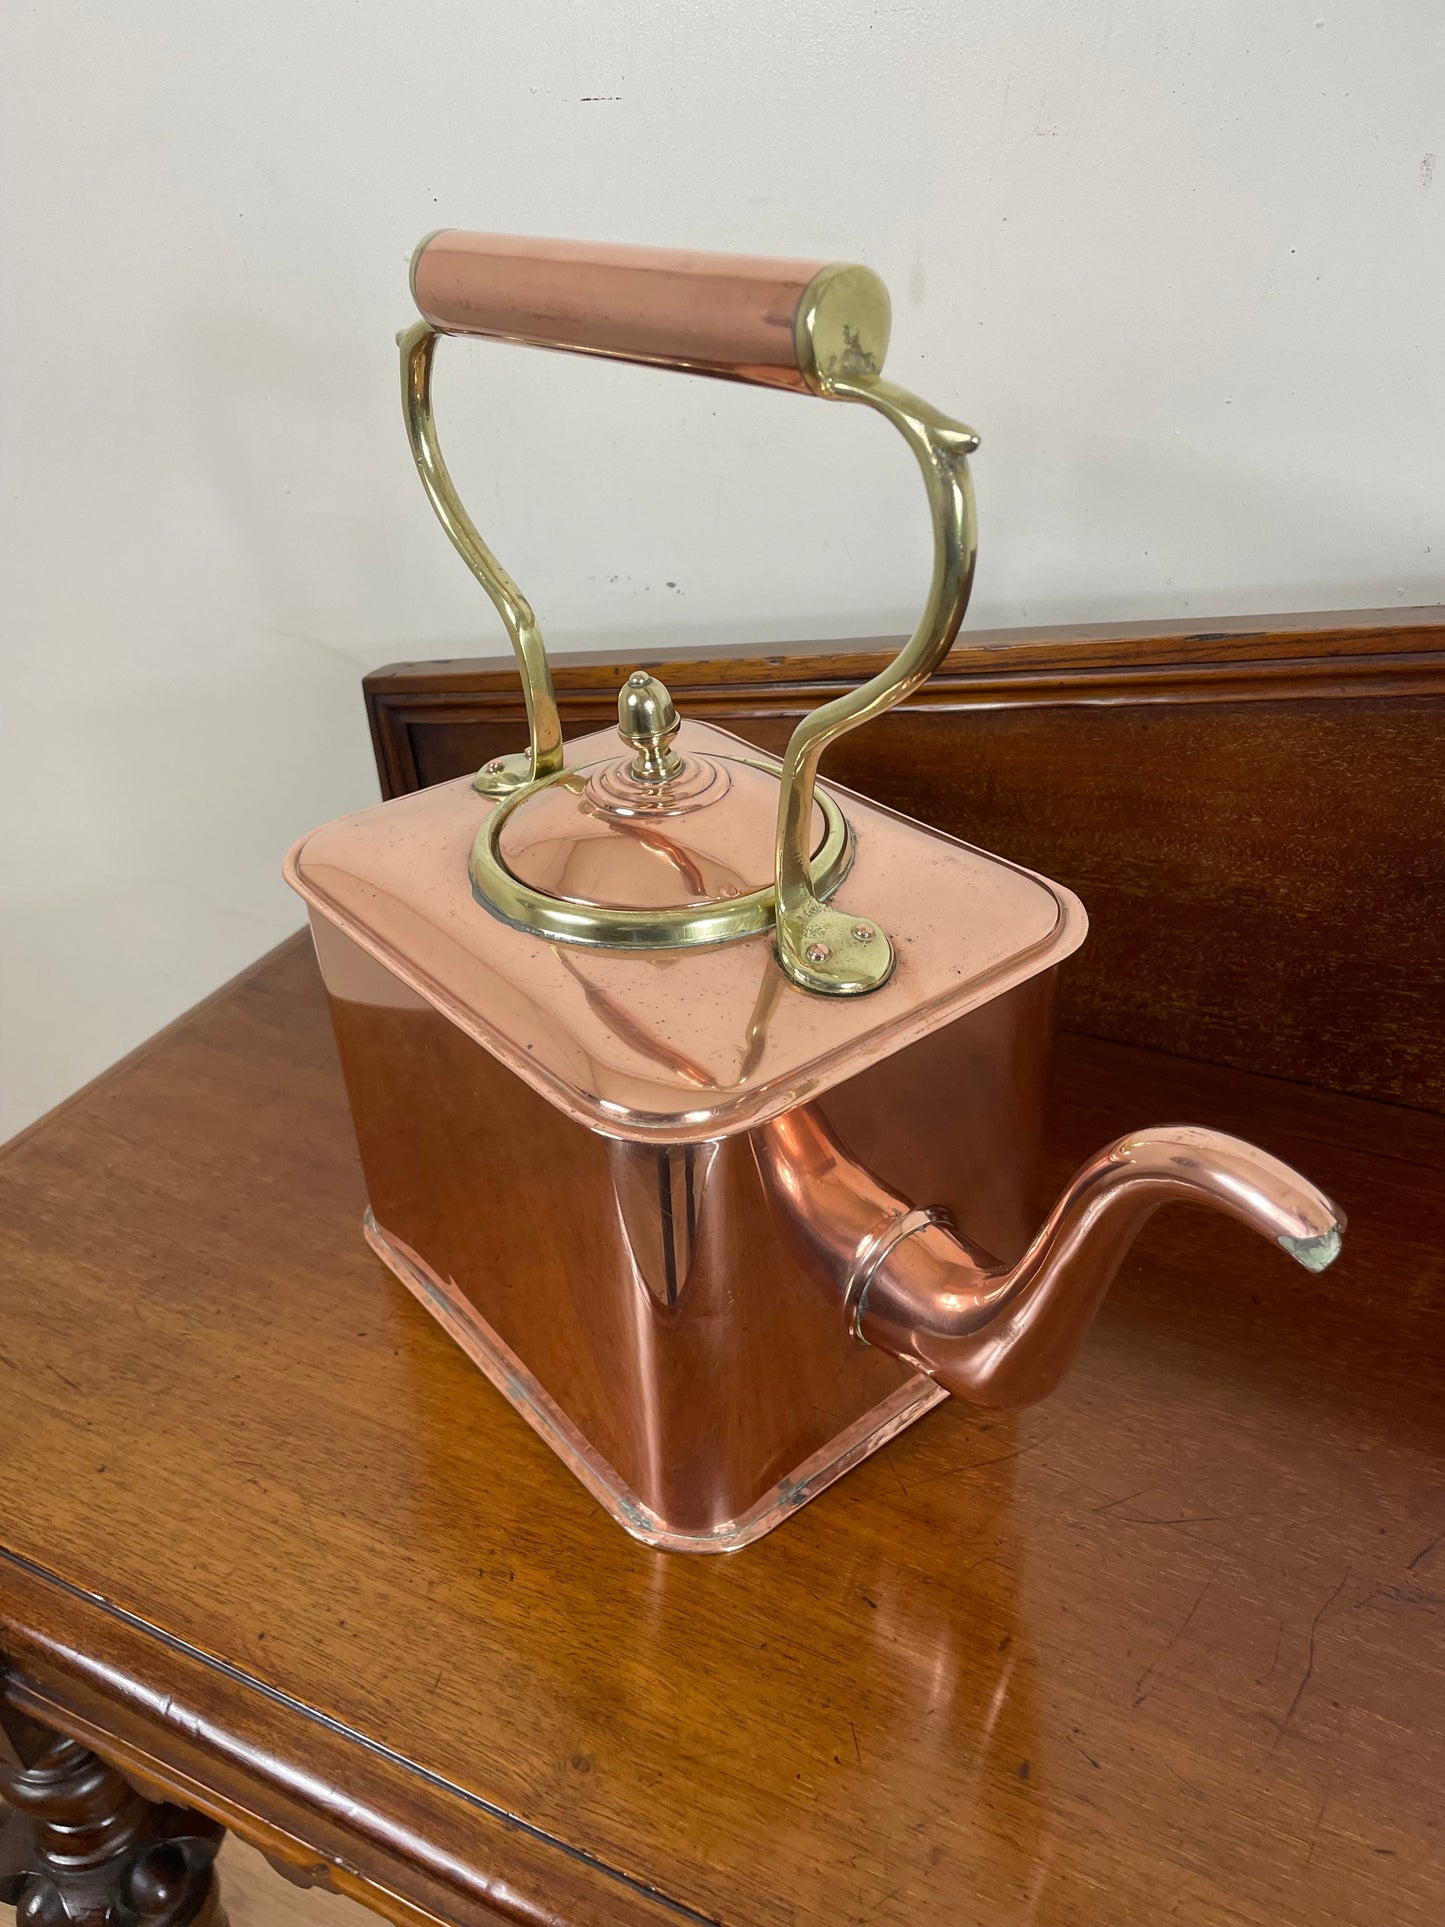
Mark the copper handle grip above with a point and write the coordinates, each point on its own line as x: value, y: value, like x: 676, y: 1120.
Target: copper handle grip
x: 783, y: 324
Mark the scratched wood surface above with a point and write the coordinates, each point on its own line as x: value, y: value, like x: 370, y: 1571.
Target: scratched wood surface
x: 1167, y: 1647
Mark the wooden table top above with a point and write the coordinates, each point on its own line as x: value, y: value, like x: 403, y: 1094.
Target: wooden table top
x: 1165, y: 1647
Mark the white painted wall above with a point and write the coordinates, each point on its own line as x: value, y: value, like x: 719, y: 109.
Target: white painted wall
x: 1181, y: 265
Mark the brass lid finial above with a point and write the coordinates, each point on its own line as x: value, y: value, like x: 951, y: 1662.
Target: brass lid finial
x: 647, y: 722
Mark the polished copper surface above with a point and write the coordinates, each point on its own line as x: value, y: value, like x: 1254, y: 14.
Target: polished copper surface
x: 1003, y: 1333
x: 680, y: 1046
x: 708, y: 1333
x: 657, y: 1312
x: 600, y: 836
x: 730, y: 314
x: 864, y: 1435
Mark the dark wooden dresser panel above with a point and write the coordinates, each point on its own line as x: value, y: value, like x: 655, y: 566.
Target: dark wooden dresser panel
x: 1253, y: 812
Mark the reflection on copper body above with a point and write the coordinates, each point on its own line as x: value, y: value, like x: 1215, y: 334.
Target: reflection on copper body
x: 655, y: 1311
x: 598, y: 836
x: 632, y: 1031
x: 696, y: 885
x: 708, y: 1333
x: 729, y: 314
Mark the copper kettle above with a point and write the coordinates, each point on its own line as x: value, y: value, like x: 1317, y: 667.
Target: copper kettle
x: 699, y: 1103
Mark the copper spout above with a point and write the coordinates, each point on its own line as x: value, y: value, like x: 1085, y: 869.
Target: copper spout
x: 1005, y: 1335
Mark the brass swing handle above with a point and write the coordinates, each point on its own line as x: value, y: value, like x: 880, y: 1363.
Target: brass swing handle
x: 815, y: 328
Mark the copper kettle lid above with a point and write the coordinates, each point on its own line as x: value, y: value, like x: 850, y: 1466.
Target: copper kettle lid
x: 649, y: 830
x: 680, y: 1044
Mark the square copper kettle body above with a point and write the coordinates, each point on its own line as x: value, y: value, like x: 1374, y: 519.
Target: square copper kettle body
x: 580, y: 1160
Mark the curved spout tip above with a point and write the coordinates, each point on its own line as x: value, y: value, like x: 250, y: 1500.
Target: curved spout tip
x: 1004, y: 1336
x: 1319, y: 1252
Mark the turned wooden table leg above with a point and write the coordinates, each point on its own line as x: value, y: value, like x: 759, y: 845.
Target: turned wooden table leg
x: 81, y: 1848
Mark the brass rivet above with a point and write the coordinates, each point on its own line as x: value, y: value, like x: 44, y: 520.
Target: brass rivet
x: 864, y: 932
x: 494, y: 768
x: 639, y: 676
x: 817, y: 953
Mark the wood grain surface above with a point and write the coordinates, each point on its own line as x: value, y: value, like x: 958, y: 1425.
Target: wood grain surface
x: 1167, y: 1647
x: 1252, y: 810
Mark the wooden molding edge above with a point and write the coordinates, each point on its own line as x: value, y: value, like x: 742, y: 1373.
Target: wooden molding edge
x: 1340, y: 655
x: 288, y: 1780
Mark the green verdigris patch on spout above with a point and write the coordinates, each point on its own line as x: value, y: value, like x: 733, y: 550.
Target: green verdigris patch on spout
x: 1316, y: 1253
